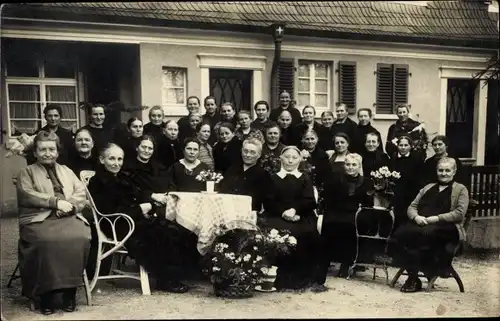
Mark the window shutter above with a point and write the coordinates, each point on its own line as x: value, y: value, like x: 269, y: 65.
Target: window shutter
x: 400, y: 85
x: 286, y: 76
x: 347, y: 85
x: 384, y: 89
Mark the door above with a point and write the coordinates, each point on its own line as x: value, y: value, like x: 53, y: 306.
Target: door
x: 492, y: 148
x: 232, y: 85
x: 460, y: 116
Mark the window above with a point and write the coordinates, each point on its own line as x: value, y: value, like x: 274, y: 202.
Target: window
x: 392, y: 87
x: 347, y: 85
x: 29, y: 90
x: 174, y: 86
x: 314, y: 85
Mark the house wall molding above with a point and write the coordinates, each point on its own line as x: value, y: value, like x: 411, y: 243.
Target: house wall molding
x: 242, y: 41
x: 458, y: 72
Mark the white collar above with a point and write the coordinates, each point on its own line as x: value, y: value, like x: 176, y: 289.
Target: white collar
x: 407, y: 155
x: 189, y: 166
x: 282, y: 173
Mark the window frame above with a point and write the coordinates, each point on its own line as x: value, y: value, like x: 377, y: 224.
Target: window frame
x: 379, y: 113
x: 170, y: 108
x: 312, y: 85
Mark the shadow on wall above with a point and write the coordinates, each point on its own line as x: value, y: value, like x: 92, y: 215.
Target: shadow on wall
x: 10, y: 167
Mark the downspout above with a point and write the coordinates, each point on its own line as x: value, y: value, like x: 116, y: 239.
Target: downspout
x: 278, y: 31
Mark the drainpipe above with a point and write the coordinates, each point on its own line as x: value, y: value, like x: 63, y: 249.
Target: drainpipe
x: 278, y: 31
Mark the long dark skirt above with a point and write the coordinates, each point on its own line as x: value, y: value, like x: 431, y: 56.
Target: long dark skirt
x: 53, y: 254
x: 300, y: 268
x: 426, y: 248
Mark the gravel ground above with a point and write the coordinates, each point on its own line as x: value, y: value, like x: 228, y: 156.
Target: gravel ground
x: 360, y: 297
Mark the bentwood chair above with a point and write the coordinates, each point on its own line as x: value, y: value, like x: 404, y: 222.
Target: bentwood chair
x: 114, y: 245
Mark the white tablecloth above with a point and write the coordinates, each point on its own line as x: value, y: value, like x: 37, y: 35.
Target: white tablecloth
x: 203, y: 213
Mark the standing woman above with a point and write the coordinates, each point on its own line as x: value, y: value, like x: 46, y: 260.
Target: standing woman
x: 440, y: 145
x: 169, y: 147
x: 228, y: 150
x: 154, y: 128
x: 206, y: 152
x: 261, y: 109
x: 289, y: 204
x: 409, y: 166
x: 308, y: 123
x: 182, y: 174
x: 190, y: 131
x: 245, y: 130
x: 83, y: 155
x: 287, y: 131
x: 373, y: 157
x: 54, y: 238
x: 327, y: 119
x: 343, y: 194
x: 403, y: 126
x: 101, y: 134
x: 364, y: 128
x: 341, y: 150
x: 227, y: 115
x: 129, y: 140
x: 271, y: 150
x: 315, y: 161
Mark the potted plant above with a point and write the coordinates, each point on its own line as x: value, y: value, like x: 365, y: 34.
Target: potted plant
x: 383, y: 182
x: 211, y: 178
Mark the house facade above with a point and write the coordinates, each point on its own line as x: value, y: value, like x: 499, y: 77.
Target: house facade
x: 146, y: 54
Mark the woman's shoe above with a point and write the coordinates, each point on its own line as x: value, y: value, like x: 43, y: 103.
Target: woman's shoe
x: 46, y: 304
x: 412, y: 285
x: 343, y: 271
x: 317, y: 288
x: 69, y: 300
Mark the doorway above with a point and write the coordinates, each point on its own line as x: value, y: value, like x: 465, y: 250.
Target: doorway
x: 232, y: 85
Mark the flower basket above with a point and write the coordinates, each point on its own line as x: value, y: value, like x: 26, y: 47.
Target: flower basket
x: 233, y: 291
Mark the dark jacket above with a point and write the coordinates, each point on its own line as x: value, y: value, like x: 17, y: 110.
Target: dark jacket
x: 153, y: 130
x: 168, y: 151
x: 183, y: 123
x: 319, y: 167
x: 348, y: 127
x: 257, y: 124
x: 324, y: 138
x: 182, y: 180
x: 372, y: 161
x: 358, y: 143
x: 77, y: 163
x: 127, y: 143
x: 101, y: 136
x: 296, y: 116
x: 226, y: 154
x: 396, y: 130
x: 148, y: 178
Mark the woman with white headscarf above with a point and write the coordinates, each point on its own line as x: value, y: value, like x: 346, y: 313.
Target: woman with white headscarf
x: 288, y: 205
x: 343, y: 194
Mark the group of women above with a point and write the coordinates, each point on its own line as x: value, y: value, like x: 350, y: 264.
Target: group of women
x: 290, y: 167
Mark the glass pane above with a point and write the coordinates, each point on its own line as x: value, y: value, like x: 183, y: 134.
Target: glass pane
x: 304, y: 85
x: 70, y: 125
x: 321, y: 86
x: 21, y: 67
x: 17, y: 127
x: 69, y: 111
x: 320, y: 70
x: 304, y: 100
x: 304, y: 71
x: 173, y: 77
x: 24, y: 92
x: 60, y: 93
x: 24, y: 110
x: 173, y: 96
x: 321, y: 100
x: 58, y: 69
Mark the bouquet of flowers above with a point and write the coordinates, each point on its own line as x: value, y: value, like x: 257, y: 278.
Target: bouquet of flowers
x: 270, y: 163
x: 20, y: 145
x: 420, y: 140
x: 384, y: 180
x: 239, y: 258
x: 209, y: 176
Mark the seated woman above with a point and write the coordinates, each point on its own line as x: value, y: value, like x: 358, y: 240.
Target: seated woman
x: 289, y: 204
x: 129, y: 140
x: 315, y: 162
x: 169, y: 148
x: 271, y: 150
x: 203, y: 134
x: 54, y: 238
x: 373, y: 156
x: 435, y: 222
x: 341, y: 144
x: 228, y: 148
x: 83, y: 155
x: 182, y: 174
x: 154, y: 127
x: 245, y: 130
x: 158, y: 245
x: 440, y: 145
x: 343, y: 194
x: 247, y: 178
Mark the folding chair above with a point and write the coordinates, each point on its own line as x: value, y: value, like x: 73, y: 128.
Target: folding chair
x: 373, y: 230
x: 451, y: 270
x: 117, y: 245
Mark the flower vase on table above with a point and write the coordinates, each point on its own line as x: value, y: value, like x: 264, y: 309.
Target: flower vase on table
x: 210, y: 186
x: 210, y: 178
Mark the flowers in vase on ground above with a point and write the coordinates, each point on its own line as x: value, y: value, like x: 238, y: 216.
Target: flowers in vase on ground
x: 209, y: 176
x: 384, y: 180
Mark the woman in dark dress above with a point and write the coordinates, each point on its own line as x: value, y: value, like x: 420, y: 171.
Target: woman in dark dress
x: 337, y: 157
x: 245, y: 130
x: 409, y: 166
x: 308, y: 123
x: 271, y: 150
x: 404, y: 126
x: 169, y: 147
x: 373, y: 157
x: 289, y: 204
x: 190, y: 131
x: 327, y: 120
x: 342, y: 195
x: 182, y: 175
x: 228, y: 149
x: 440, y: 145
x: 288, y: 135
x: 365, y: 127
x: 82, y: 156
x: 428, y: 240
x: 158, y: 245
x: 206, y: 155
x: 154, y: 127
x: 315, y: 162
x: 129, y: 140
x: 248, y: 177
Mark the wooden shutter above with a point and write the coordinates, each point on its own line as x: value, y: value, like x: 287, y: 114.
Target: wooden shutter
x: 347, y: 85
x: 384, y: 100
x: 400, y: 85
x: 286, y: 76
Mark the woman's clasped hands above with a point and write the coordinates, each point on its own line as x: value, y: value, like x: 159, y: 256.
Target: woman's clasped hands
x: 421, y: 220
x: 64, y: 208
x: 290, y: 215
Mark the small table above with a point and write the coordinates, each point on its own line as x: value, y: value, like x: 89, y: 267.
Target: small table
x: 203, y: 213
